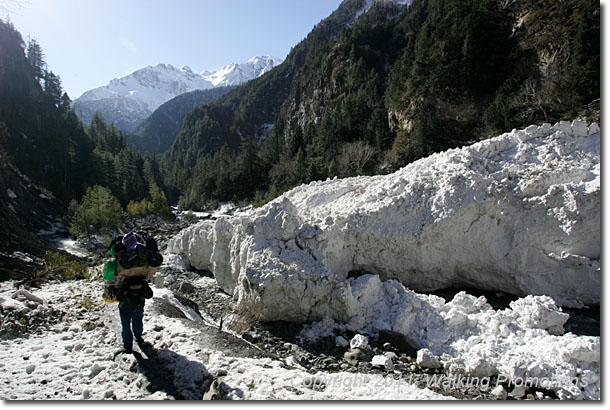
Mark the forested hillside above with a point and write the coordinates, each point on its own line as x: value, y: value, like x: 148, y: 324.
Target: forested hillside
x: 158, y: 132
x: 370, y: 89
x: 51, y: 161
x: 371, y: 95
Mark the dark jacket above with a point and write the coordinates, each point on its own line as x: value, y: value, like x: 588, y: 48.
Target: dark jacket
x: 132, y: 296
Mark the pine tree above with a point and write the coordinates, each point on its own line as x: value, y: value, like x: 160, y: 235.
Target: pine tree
x: 36, y: 58
x: 300, y: 167
x: 52, y: 88
x: 98, y: 210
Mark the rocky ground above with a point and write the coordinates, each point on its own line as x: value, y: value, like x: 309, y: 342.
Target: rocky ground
x: 281, y: 340
x: 244, y: 336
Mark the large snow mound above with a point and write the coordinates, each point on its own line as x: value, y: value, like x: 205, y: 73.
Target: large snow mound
x: 519, y: 213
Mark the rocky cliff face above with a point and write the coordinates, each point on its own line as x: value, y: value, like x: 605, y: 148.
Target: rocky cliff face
x: 25, y: 208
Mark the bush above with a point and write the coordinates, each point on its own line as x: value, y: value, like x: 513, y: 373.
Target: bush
x: 139, y: 209
x: 59, y: 266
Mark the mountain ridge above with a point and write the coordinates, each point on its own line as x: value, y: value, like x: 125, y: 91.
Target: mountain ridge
x: 392, y: 84
x: 130, y: 99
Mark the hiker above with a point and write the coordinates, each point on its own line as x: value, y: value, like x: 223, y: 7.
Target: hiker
x: 135, y: 259
x: 132, y: 296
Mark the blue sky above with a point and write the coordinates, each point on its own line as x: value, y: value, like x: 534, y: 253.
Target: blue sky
x: 90, y: 42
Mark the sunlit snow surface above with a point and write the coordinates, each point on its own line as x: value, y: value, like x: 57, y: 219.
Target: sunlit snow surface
x: 519, y: 213
x: 77, y: 359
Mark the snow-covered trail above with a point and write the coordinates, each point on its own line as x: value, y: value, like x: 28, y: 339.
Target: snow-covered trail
x: 78, y: 357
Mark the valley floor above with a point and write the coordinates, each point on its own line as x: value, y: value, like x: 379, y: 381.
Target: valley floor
x: 71, y: 350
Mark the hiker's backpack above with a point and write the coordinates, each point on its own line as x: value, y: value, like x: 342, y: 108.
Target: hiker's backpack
x: 132, y: 255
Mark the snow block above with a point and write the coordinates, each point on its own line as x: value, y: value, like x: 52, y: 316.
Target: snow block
x: 579, y: 128
x: 593, y: 128
x: 510, y: 214
x: 359, y: 342
x: 425, y: 358
x: 382, y: 361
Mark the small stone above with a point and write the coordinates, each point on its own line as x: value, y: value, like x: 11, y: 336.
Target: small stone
x: 186, y: 287
x: 391, y: 355
x: 518, y: 392
x: 251, y: 337
x: 499, y: 393
x: 353, y: 356
x: 593, y: 128
x: 30, y: 368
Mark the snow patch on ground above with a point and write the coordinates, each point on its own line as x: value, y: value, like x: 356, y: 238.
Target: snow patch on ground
x: 78, y: 359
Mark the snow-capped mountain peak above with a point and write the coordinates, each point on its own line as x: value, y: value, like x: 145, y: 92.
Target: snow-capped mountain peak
x: 235, y: 74
x: 128, y: 100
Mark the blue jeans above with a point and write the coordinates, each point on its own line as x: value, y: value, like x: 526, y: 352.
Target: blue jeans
x: 129, y: 321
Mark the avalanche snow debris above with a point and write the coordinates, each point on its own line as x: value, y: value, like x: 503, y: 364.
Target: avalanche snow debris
x: 360, y: 342
x: 382, y: 361
x: 519, y: 213
x: 425, y: 358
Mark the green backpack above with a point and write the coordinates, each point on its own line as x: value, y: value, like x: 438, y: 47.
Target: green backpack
x: 109, y: 269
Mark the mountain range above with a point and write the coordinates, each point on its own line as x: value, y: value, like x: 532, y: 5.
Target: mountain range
x: 372, y: 88
x: 378, y: 85
x: 129, y: 100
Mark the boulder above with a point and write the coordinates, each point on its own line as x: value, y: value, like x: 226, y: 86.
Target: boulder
x: 353, y: 356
